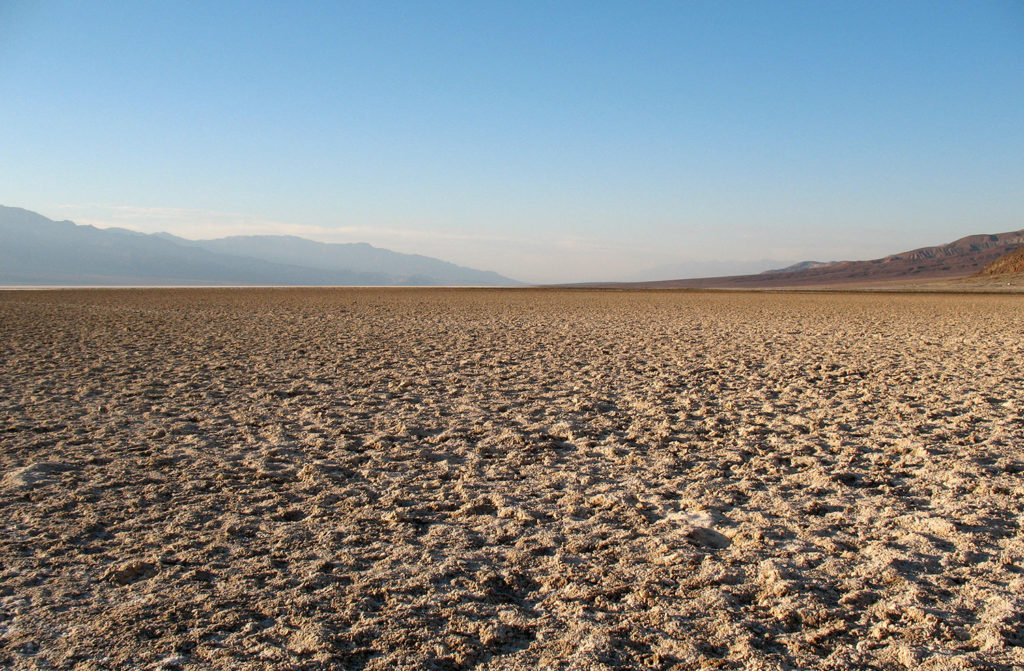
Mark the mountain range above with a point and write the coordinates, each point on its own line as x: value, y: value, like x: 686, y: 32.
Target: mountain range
x: 38, y: 251
x: 974, y: 255
x: 35, y: 250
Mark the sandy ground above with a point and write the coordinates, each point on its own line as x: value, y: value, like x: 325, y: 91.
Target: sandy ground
x: 441, y: 479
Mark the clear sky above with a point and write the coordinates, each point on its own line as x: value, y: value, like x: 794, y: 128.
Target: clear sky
x: 549, y: 141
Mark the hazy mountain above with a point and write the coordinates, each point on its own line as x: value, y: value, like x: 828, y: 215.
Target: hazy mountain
x: 803, y: 265
x: 692, y: 268
x: 958, y: 259
x: 35, y: 250
x: 351, y: 257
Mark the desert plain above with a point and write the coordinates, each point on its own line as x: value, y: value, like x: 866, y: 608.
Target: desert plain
x: 510, y: 479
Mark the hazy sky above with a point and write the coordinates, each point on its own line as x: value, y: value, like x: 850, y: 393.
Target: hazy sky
x: 549, y: 141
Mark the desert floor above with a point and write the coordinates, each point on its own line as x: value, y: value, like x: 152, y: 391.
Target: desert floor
x: 443, y: 479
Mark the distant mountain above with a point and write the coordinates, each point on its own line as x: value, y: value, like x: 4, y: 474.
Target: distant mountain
x: 954, y: 260
x: 796, y: 267
x: 357, y: 257
x: 693, y: 268
x: 35, y: 250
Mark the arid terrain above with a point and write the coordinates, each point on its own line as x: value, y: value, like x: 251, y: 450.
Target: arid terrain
x: 995, y: 256
x: 510, y: 479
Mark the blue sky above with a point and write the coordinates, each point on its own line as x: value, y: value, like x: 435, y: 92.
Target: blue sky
x: 550, y: 141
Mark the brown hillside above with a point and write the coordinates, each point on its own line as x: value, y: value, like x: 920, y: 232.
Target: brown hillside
x: 958, y: 259
x: 1011, y: 262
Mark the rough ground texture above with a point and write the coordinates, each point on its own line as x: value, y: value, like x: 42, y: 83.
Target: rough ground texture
x: 417, y: 479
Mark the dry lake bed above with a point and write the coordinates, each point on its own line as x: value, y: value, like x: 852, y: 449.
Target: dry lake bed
x: 517, y: 479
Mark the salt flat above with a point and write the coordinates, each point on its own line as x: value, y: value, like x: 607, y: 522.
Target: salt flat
x: 517, y: 479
